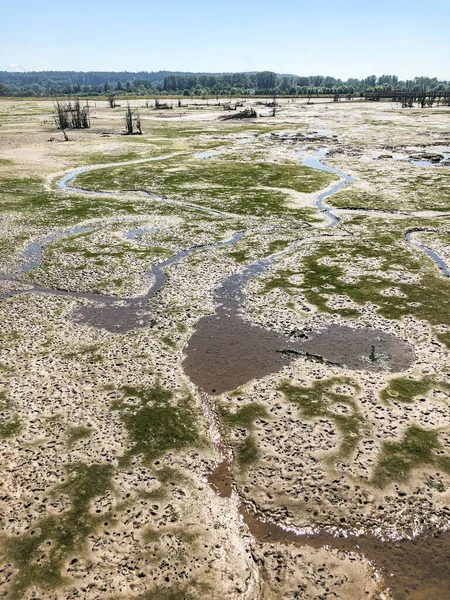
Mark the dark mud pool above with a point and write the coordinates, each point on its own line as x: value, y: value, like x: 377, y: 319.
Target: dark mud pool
x: 226, y: 350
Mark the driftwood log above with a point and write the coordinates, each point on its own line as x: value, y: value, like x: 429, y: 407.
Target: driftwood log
x: 248, y: 113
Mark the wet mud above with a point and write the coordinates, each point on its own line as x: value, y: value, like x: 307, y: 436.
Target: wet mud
x: 226, y: 350
x: 360, y: 349
x: 412, y: 569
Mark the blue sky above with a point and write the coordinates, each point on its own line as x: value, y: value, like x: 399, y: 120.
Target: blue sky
x: 345, y: 38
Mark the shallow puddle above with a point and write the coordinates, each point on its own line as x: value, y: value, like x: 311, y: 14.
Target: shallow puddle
x: 226, y: 351
x: 359, y: 349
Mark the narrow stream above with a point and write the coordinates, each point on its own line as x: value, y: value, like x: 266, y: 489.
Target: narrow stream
x: 315, y: 162
x: 441, y: 264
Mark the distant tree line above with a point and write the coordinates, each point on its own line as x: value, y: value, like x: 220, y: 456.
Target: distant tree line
x: 103, y: 83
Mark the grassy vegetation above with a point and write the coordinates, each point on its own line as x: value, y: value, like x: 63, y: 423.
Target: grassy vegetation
x: 280, y: 280
x: 417, y: 449
x: 228, y: 186
x: 246, y: 450
x: 9, y: 427
x: 345, y: 267
x: 320, y: 401
x: 39, y: 554
x: 405, y: 389
x: 78, y: 432
x: 157, y: 422
x: 88, y: 353
x: 415, y: 189
x: 169, y: 593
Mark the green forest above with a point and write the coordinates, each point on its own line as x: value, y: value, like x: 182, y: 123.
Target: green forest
x: 101, y: 83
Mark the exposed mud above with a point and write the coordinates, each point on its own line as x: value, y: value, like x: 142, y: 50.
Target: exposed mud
x: 413, y: 569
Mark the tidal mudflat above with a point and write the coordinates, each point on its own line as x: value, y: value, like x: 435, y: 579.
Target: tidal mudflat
x: 224, y: 354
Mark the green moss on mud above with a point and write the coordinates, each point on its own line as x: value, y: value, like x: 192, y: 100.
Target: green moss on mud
x: 405, y: 389
x: 40, y: 553
x: 418, y: 448
x: 157, y: 421
x: 318, y: 401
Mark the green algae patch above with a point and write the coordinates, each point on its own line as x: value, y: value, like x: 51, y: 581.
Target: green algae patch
x: 10, y: 427
x: 244, y: 188
x: 418, y: 448
x: 157, y: 421
x: 79, y: 432
x: 405, y: 389
x: 321, y: 400
x: 39, y: 554
x: 246, y: 450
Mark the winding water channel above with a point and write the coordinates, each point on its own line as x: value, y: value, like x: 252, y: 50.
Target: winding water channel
x: 226, y: 351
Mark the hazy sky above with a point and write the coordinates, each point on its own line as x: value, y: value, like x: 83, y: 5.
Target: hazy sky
x: 347, y: 38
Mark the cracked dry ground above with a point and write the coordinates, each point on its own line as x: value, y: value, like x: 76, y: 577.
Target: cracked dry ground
x: 266, y: 416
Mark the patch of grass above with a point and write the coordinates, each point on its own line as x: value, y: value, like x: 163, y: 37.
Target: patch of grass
x: 244, y: 417
x: 9, y: 427
x: 317, y: 402
x: 157, y: 421
x: 444, y: 338
x: 39, y: 554
x: 168, y: 341
x: 246, y: 450
x: 172, y: 593
x: 405, y: 389
x: 240, y: 256
x: 277, y: 246
x: 76, y: 433
x: 99, y: 158
x: 417, y: 449
x: 229, y: 186
x: 20, y: 184
x: 280, y: 280
x: 88, y: 353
